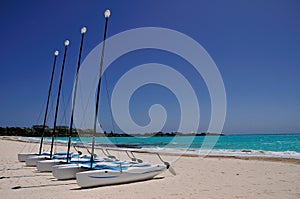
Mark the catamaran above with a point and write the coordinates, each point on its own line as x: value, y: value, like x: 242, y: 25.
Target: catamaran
x: 33, y: 160
x: 46, y: 165
x: 23, y: 156
x: 70, y: 168
x: 118, y: 175
x: 116, y: 172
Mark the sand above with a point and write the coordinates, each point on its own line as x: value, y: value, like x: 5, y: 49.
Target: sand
x: 197, y: 177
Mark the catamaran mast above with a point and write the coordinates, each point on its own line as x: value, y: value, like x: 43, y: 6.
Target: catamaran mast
x: 106, y: 14
x: 83, y: 31
x: 47, y: 104
x: 58, y: 96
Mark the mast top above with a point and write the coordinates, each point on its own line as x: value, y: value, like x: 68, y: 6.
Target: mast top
x: 56, y: 53
x: 107, y: 13
x: 67, y: 42
x: 83, y: 30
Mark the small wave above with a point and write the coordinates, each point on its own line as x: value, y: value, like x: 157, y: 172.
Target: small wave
x: 214, y: 152
x: 230, y: 153
x: 29, y: 139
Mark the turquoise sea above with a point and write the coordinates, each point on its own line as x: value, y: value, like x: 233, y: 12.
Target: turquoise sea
x: 273, y: 145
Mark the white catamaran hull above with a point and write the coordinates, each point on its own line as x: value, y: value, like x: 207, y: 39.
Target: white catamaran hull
x: 32, y: 160
x: 94, y: 178
x: 23, y: 156
x: 46, y: 165
x: 68, y: 171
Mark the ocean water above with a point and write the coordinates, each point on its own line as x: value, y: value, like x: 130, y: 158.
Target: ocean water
x: 271, y: 145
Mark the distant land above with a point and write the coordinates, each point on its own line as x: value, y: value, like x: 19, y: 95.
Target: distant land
x: 62, y: 131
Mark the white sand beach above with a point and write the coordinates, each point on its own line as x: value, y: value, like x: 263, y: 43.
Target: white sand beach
x: 197, y: 177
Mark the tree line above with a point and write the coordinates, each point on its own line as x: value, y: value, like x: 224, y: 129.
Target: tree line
x: 62, y: 131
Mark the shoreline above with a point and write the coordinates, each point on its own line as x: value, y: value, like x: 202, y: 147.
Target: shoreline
x: 241, y: 157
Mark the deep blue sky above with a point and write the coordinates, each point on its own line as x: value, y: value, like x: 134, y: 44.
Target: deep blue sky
x: 255, y: 44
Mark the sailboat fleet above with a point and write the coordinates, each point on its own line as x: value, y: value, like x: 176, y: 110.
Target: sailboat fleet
x: 88, y: 170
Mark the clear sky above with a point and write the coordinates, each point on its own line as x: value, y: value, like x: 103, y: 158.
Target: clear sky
x: 255, y: 44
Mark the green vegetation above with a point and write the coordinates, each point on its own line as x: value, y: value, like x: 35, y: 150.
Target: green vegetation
x: 37, y: 131
x: 34, y: 131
